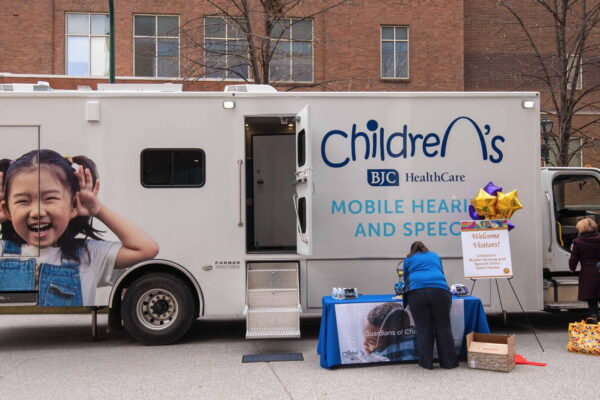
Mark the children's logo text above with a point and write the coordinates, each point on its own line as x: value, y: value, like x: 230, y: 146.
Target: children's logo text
x: 377, y: 143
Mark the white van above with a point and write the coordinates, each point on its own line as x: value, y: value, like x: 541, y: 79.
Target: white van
x: 262, y: 201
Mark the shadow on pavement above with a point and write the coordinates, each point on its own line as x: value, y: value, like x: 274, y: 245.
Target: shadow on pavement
x: 541, y: 321
x: 76, y: 330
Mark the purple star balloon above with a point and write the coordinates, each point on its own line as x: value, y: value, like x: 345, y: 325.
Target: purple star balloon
x: 473, y: 214
x: 492, y: 189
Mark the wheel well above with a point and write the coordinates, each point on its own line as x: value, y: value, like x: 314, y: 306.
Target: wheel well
x: 115, y: 306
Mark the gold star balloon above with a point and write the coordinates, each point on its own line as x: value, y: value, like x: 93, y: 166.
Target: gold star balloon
x: 484, y: 204
x: 507, y: 204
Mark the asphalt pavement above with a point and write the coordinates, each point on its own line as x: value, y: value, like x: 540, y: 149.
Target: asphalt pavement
x: 50, y: 357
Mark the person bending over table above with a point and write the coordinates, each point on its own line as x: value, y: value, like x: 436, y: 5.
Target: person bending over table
x: 427, y: 295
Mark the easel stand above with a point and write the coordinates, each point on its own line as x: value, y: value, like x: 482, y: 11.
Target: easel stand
x: 504, y: 313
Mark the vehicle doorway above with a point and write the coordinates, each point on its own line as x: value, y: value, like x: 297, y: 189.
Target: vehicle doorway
x: 270, y: 168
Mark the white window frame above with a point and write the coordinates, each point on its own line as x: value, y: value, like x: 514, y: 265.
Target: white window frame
x: 226, y: 40
x: 394, y: 40
x: 311, y: 41
x: 89, y: 36
x: 155, y: 38
x: 571, y: 72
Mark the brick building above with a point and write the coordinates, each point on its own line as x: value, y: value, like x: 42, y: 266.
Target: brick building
x: 371, y: 45
x: 498, y: 56
x: 341, y: 47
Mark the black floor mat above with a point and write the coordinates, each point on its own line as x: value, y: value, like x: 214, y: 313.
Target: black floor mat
x: 247, y: 358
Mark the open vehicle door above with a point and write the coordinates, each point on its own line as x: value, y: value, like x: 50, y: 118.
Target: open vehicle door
x: 304, y: 184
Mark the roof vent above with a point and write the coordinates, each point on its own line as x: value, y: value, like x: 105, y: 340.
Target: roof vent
x: 250, y: 89
x: 140, y: 87
x: 41, y: 86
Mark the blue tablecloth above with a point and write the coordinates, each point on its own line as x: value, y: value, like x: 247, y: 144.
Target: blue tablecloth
x: 328, y: 346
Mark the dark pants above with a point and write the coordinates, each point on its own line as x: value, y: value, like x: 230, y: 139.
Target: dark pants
x: 593, y: 306
x: 430, y: 308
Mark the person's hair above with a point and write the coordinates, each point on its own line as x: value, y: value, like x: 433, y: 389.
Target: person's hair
x: 62, y: 170
x: 417, y: 247
x: 587, y: 225
x: 4, y: 164
x: 387, y: 317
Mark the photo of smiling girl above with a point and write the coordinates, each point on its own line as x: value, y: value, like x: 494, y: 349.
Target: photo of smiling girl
x: 47, y: 204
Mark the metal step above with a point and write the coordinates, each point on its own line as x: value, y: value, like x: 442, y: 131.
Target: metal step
x: 566, y: 306
x: 561, y: 293
x: 567, y: 280
x: 272, y: 300
x: 272, y: 324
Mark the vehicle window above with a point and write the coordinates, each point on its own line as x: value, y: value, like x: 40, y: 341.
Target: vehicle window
x: 173, y: 167
x: 302, y: 213
x: 301, y: 148
x: 575, y: 197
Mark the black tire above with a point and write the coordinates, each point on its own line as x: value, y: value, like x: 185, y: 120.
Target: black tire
x: 158, y: 309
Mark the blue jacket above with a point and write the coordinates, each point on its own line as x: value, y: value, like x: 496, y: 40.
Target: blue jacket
x: 424, y: 270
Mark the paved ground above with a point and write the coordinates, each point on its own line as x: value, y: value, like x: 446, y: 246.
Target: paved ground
x: 48, y: 357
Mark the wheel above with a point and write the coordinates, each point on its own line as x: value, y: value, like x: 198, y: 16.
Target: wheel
x: 158, y: 309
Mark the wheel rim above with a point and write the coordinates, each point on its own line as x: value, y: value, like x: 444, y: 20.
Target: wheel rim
x: 157, y: 309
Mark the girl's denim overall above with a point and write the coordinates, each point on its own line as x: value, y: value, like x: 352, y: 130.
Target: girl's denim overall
x: 59, y: 285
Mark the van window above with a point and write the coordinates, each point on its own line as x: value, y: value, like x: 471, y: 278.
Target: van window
x: 575, y: 197
x: 173, y: 168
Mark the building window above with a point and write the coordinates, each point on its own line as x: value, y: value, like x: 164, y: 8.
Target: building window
x: 292, y: 59
x: 156, y: 40
x: 225, y: 49
x: 87, y: 44
x: 574, y: 149
x: 173, y: 167
x: 394, y: 52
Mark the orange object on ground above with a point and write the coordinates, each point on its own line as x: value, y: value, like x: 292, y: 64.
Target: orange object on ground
x: 519, y: 359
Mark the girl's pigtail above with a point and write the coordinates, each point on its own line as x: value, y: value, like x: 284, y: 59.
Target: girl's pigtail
x: 4, y: 164
x: 87, y: 163
x: 84, y: 224
x: 68, y: 242
x: 6, y: 228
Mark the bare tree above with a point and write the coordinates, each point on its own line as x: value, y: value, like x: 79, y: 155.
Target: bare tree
x: 564, y: 37
x: 251, y: 40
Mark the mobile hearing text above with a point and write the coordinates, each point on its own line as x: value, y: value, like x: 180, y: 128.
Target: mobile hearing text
x: 449, y: 226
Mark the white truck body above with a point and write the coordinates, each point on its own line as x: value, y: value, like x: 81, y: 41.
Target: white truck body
x: 377, y: 172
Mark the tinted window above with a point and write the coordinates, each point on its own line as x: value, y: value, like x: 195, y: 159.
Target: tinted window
x: 173, y: 168
x: 301, y: 148
x: 302, y: 214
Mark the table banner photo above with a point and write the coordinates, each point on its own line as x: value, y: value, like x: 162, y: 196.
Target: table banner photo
x: 383, y: 332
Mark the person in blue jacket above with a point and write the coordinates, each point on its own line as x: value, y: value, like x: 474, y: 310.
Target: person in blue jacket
x: 427, y: 295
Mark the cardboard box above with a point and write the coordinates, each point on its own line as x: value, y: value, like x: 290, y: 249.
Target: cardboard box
x: 491, y: 352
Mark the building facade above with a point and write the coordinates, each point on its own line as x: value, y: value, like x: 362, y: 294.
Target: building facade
x: 340, y: 49
x: 371, y: 45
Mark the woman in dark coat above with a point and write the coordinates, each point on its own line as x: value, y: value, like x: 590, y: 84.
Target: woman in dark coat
x: 586, y: 250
